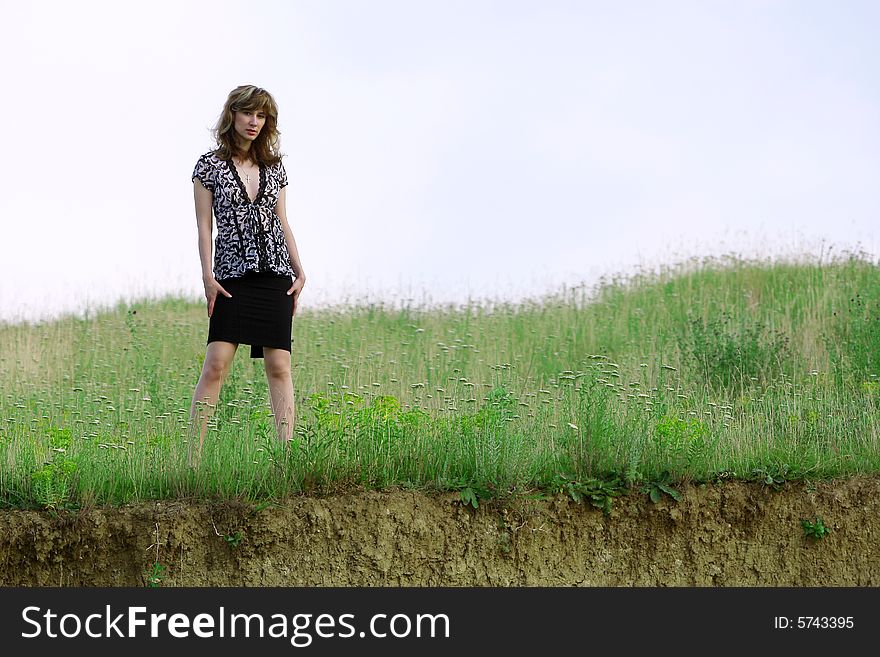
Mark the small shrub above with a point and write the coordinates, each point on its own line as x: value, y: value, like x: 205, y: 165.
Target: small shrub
x: 855, y: 337
x: 681, y: 442
x: 728, y: 353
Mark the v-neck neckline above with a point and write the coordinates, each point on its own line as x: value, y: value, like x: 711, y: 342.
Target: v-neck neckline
x: 241, y: 185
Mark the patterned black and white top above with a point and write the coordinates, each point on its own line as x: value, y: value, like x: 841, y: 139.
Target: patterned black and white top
x: 249, y: 234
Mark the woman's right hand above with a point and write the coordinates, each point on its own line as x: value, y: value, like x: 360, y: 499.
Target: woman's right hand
x: 212, y: 288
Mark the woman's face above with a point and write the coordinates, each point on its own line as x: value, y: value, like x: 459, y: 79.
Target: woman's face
x: 248, y: 124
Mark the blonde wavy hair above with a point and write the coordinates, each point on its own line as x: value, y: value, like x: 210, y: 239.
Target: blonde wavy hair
x: 265, y: 148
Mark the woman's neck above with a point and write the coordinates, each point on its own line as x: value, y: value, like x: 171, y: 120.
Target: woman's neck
x: 243, y: 149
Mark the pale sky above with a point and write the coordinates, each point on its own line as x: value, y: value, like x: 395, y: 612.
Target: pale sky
x: 437, y: 150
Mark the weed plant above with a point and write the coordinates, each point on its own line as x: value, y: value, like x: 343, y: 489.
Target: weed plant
x: 706, y: 370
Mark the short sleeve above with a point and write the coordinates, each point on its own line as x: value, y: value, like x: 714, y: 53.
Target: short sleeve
x: 204, y: 172
x: 282, y: 175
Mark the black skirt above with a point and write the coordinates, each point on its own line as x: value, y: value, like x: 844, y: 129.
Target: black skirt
x: 259, y: 313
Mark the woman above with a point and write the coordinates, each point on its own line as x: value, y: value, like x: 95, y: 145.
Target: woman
x: 253, y: 290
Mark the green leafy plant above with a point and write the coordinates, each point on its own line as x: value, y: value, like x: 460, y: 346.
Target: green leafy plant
x: 154, y: 576
x: 52, y: 483
x: 469, y: 493
x: 598, y: 492
x: 657, y: 488
x: 233, y: 540
x: 469, y: 496
x: 815, y: 529
x: 773, y: 476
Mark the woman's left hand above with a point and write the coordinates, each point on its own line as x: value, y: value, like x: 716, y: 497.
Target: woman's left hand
x: 295, y: 289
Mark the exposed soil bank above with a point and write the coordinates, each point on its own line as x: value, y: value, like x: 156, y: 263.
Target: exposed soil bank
x: 731, y: 534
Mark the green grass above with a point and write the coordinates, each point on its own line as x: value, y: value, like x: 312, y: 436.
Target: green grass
x: 706, y: 370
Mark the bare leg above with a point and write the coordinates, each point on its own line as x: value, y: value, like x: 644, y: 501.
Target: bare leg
x: 218, y: 358
x: 277, y: 363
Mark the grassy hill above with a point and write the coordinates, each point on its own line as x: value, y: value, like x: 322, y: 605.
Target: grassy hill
x: 705, y: 370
